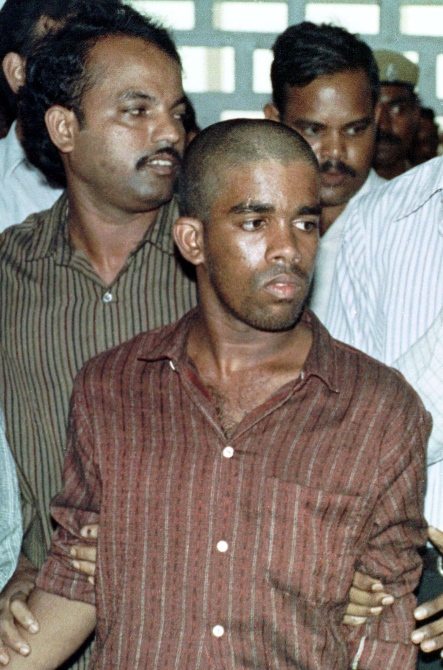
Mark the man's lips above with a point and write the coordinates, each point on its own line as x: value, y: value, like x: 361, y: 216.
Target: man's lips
x: 284, y: 286
x: 163, y: 162
x: 334, y: 178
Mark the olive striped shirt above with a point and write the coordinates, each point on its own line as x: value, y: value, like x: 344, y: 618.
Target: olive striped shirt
x: 239, y: 553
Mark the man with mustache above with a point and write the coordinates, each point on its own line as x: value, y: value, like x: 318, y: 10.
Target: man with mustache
x: 102, y: 114
x: 325, y: 86
x: 241, y: 462
x: 399, y: 113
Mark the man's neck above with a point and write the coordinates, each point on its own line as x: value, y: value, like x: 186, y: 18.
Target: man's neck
x: 242, y: 367
x: 392, y: 171
x: 106, y: 236
x: 329, y: 215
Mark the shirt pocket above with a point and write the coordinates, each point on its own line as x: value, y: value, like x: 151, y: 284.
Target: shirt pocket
x: 313, y: 540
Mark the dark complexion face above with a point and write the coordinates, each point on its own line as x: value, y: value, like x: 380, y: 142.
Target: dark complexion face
x: 259, y: 244
x: 397, y: 125
x: 127, y: 151
x: 334, y: 113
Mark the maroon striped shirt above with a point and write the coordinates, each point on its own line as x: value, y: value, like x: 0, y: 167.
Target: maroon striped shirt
x: 240, y: 553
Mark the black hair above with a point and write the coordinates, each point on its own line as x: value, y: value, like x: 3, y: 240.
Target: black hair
x: 230, y: 144
x: 20, y: 28
x: 57, y: 73
x: 306, y: 51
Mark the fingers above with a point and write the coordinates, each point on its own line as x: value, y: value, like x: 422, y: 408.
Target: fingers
x: 430, y: 637
x: 366, y: 599
x: 90, y: 532
x: 84, y: 553
x: 429, y: 609
x: 366, y: 583
x: 354, y: 620
x: 10, y: 635
x: 436, y: 537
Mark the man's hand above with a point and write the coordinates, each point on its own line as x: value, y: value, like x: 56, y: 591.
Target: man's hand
x: 430, y: 637
x: 85, y: 555
x: 14, y: 610
x: 366, y: 599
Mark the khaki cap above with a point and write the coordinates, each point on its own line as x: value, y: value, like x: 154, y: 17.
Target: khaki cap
x: 394, y: 67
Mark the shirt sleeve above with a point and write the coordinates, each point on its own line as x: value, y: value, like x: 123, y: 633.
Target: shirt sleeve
x: 10, y: 513
x: 349, y: 310
x: 77, y: 504
x: 398, y: 528
x: 422, y: 365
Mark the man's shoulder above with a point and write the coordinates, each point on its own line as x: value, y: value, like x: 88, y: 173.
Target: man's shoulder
x: 376, y: 376
x: 399, y: 197
x: 19, y: 239
x: 145, y: 347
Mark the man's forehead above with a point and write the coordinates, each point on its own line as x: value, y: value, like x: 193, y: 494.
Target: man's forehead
x: 127, y: 63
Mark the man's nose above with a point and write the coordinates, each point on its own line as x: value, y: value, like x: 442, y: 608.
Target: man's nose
x: 283, y: 244
x: 333, y: 146
x: 384, y: 119
x: 168, y: 129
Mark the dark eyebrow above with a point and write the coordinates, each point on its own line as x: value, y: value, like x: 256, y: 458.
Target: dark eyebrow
x: 307, y: 122
x: 252, y: 208
x: 315, y: 210
x: 131, y: 95
x: 264, y: 208
x: 367, y: 119
x: 400, y: 98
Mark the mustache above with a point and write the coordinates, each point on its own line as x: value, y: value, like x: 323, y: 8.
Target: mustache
x: 382, y: 136
x: 171, y: 151
x: 338, y: 166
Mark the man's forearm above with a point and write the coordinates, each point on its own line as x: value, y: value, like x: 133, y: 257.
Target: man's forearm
x: 64, y: 626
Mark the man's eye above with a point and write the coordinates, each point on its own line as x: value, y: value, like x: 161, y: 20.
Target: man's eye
x: 309, y: 131
x: 307, y: 226
x: 252, y: 225
x: 135, y: 111
x: 353, y: 131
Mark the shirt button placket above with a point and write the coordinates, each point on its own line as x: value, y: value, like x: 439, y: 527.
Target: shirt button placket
x: 222, y: 546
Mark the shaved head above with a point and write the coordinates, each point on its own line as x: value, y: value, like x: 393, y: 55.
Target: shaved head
x: 234, y: 144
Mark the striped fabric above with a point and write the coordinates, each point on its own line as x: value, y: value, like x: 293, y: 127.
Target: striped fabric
x: 388, y: 283
x: 235, y: 554
x: 55, y: 314
x: 10, y: 514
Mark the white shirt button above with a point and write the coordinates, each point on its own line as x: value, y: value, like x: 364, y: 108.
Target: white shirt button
x: 228, y: 452
x: 222, y: 546
x: 218, y: 631
x: 107, y: 297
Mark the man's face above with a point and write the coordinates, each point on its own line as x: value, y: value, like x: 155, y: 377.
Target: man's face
x: 397, y: 124
x: 334, y: 113
x: 426, y: 142
x: 127, y: 152
x: 260, y: 243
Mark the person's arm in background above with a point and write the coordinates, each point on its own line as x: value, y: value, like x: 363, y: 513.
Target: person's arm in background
x: 10, y: 512
x: 64, y: 626
x: 76, y: 506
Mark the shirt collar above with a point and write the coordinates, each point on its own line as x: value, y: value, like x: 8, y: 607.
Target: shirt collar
x: 321, y: 361
x: 51, y: 238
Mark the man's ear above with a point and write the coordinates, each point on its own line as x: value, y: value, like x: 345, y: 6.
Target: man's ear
x: 62, y: 125
x: 188, y: 236
x: 271, y: 112
x: 14, y: 70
